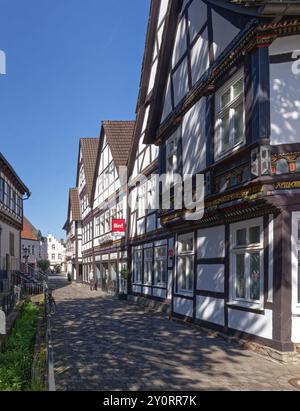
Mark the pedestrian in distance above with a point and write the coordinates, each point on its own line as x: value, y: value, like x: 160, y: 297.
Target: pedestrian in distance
x: 91, y: 279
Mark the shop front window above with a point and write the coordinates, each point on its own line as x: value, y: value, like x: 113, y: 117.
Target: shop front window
x: 161, y: 265
x: 137, y: 266
x: 148, y: 265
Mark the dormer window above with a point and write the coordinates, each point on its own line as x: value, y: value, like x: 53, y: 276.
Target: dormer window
x: 230, y: 116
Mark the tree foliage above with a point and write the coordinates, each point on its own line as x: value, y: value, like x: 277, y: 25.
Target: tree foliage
x: 43, y: 265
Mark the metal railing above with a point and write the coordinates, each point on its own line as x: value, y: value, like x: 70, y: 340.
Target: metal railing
x: 17, y: 286
x: 31, y: 289
x: 8, y: 302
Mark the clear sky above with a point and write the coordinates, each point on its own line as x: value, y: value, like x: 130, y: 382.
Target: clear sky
x: 70, y: 65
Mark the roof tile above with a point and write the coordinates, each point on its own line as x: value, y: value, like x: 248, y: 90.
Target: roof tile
x: 119, y: 135
x: 89, y: 147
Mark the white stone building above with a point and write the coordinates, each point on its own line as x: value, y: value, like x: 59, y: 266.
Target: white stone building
x: 56, y: 252
x: 33, y: 247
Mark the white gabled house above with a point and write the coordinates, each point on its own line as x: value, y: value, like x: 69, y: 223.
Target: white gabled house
x: 88, y: 149
x: 73, y: 228
x: 151, y: 246
x: 223, y: 102
x: 110, y: 205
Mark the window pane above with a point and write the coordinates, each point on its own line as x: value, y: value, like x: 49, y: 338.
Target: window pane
x: 225, y: 132
x: 240, y: 276
x: 255, y: 276
x: 239, y: 124
x: 225, y: 99
x: 190, y: 273
x: 181, y: 273
x: 165, y: 272
x: 238, y: 88
x: 148, y: 277
x: 254, y: 235
x: 187, y: 245
x: 241, y: 237
x: 186, y: 274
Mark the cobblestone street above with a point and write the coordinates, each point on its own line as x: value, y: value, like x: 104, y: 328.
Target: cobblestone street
x: 104, y: 344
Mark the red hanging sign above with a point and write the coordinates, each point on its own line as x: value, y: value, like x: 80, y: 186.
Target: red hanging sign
x: 119, y: 227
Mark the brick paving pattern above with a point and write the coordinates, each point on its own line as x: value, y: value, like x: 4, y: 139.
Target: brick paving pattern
x: 104, y: 344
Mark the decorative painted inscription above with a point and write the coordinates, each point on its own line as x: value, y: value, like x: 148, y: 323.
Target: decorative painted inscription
x: 287, y: 185
x: 250, y: 193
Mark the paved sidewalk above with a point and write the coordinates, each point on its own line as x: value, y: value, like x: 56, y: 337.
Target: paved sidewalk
x: 104, y: 344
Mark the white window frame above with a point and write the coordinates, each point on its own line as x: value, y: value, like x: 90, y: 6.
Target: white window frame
x: 137, y: 266
x: 295, y: 250
x: 171, y: 152
x: 111, y: 172
x: 142, y: 200
x: 148, y: 259
x: 107, y: 222
x: 102, y: 224
x: 160, y: 258
x: 220, y: 113
x: 247, y: 249
x: 120, y: 211
x: 182, y: 255
x: 97, y: 226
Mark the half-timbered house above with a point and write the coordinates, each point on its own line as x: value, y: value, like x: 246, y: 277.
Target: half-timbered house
x: 151, y: 245
x: 88, y: 149
x: 74, y: 237
x: 110, y: 205
x: 225, y: 104
x: 12, y: 192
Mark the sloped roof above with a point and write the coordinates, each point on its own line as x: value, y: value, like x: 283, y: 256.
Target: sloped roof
x: 89, y: 147
x: 119, y: 135
x: 249, y: 13
x: 29, y: 232
x: 74, y: 204
x: 5, y: 165
x: 144, y: 79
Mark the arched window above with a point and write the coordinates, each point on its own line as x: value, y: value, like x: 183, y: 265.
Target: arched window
x: 282, y: 167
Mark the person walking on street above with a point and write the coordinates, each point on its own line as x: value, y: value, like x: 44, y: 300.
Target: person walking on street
x: 91, y: 279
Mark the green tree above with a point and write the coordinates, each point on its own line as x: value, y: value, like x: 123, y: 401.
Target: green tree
x: 43, y: 265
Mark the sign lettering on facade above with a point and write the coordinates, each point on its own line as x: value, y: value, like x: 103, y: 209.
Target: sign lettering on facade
x: 287, y: 185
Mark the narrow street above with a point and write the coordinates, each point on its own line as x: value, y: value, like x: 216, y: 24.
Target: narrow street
x: 104, y: 344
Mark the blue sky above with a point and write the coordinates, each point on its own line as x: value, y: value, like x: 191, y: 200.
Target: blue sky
x: 70, y: 65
